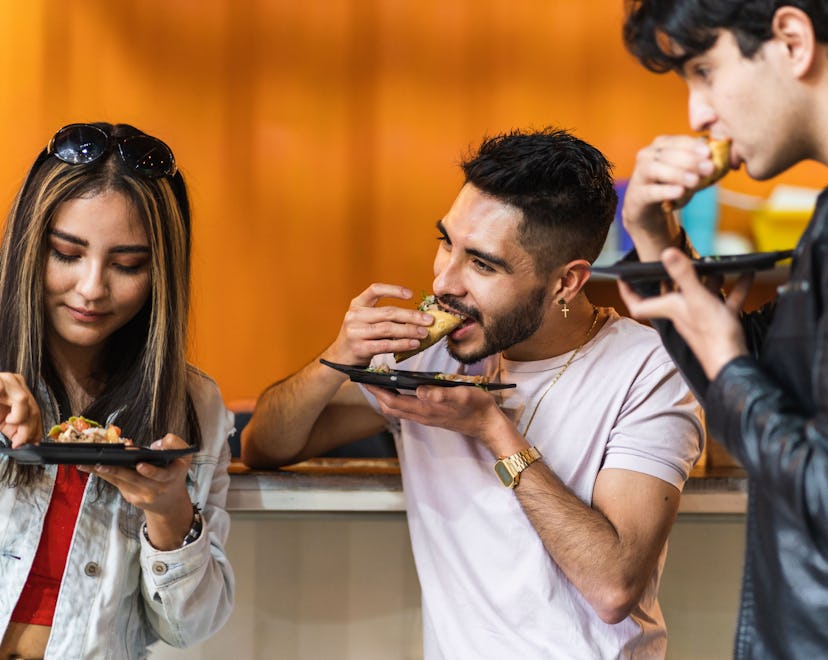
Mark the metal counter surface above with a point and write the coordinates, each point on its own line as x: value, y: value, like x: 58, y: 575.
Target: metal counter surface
x: 340, y: 486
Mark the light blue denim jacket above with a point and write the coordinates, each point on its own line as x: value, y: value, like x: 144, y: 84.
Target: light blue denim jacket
x: 118, y: 594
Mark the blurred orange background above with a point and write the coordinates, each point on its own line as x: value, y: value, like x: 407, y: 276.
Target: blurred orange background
x: 320, y: 139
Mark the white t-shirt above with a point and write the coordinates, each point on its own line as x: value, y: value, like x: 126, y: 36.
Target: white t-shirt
x: 489, y: 587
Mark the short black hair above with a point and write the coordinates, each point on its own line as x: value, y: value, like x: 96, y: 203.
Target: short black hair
x: 694, y: 26
x: 562, y: 185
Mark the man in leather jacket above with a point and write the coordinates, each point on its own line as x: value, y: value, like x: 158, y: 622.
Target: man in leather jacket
x: 757, y: 74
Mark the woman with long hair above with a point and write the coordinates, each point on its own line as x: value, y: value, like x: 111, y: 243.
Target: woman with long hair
x: 103, y: 560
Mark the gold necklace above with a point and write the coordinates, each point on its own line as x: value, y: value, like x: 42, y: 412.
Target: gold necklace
x: 563, y: 369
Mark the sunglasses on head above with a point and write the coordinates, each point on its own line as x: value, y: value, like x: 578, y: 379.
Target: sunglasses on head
x: 79, y: 144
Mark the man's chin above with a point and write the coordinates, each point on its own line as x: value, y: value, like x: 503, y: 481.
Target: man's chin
x: 469, y: 355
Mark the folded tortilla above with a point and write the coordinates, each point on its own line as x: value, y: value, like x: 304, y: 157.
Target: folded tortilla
x: 720, y: 153
x: 444, y: 323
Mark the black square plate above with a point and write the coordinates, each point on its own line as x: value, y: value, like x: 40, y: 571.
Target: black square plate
x: 397, y: 379
x: 648, y: 271
x: 93, y: 453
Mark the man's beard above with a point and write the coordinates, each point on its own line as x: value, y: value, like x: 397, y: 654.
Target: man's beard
x: 504, y: 331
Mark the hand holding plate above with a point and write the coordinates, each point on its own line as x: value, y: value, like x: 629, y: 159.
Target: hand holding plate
x: 152, y: 488
x: 470, y: 411
x: 710, y: 326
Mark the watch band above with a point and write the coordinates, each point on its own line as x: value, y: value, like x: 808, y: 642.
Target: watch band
x: 508, y: 468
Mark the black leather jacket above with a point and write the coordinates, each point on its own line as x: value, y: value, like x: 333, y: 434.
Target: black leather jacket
x: 771, y: 412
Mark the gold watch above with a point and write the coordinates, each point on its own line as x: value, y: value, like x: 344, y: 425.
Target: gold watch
x: 508, y: 468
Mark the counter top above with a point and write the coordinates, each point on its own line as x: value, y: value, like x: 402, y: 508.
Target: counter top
x: 345, y: 485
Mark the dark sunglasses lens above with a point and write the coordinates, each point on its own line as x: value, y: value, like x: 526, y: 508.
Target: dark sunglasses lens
x: 147, y: 155
x: 79, y: 143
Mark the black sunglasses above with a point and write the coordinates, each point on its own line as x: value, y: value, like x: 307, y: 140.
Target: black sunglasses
x: 79, y: 144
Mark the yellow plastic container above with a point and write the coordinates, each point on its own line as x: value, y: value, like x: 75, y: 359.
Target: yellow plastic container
x: 778, y: 229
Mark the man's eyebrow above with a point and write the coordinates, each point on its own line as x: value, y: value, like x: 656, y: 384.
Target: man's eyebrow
x: 480, y: 254
x: 119, y: 249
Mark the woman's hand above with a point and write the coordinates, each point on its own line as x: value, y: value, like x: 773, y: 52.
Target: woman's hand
x: 20, y: 419
x: 161, y: 492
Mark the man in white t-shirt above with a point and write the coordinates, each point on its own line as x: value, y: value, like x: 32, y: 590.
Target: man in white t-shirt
x: 538, y: 514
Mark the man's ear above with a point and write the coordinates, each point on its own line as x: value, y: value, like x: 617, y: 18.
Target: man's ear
x: 571, y: 279
x: 793, y: 29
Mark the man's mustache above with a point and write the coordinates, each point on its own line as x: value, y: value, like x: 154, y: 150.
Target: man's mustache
x: 457, y: 306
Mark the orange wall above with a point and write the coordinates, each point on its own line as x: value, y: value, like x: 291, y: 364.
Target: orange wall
x: 320, y: 138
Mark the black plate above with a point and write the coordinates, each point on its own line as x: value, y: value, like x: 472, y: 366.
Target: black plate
x: 86, y: 453
x: 635, y: 271
x: 396, y: 379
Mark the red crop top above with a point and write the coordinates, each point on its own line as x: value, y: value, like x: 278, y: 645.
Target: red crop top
x: 39, y: 598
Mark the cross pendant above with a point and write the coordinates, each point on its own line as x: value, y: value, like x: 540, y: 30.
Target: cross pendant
x: 565, y: 309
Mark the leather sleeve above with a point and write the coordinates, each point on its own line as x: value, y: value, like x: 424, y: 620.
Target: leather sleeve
x: 755, y: 326
x: 784, y: 452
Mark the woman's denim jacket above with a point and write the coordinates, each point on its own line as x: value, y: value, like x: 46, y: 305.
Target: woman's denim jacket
x: 118, y: 594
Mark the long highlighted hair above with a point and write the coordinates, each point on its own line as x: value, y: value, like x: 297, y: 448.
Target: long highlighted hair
x: 144, y: 367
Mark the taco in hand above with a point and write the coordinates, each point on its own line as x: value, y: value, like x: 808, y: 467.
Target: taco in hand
x: 720, y: 153
x: 444, y: 323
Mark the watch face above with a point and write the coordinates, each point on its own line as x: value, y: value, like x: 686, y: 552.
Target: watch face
x: 503, y: 473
